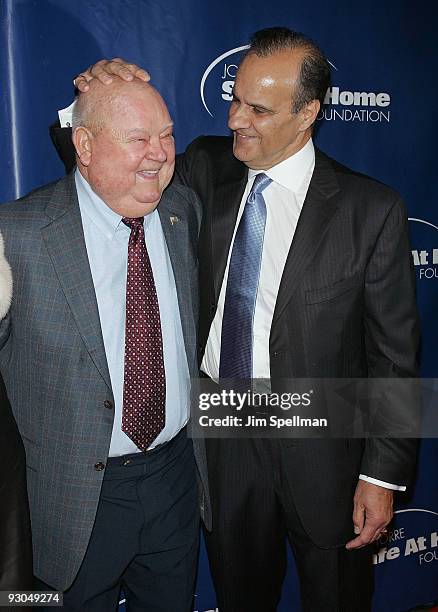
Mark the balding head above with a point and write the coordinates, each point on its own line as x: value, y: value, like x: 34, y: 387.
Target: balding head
x: 93, y: 106
x: 122, y: 134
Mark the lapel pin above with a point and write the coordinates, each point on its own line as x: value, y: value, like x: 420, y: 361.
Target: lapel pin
x: 173, y: 220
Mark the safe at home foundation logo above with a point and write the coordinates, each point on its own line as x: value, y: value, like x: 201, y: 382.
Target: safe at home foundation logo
x: 355, y: 106
x: 424, y: 238
x: 413, y: 538
x: 217, y: 82
x: 340, y: 104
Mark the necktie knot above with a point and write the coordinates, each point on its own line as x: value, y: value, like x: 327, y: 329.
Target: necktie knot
x: 133, y: 222
x: 261, y: 181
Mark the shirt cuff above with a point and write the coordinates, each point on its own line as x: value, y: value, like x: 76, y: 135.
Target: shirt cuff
x: 382, y: 483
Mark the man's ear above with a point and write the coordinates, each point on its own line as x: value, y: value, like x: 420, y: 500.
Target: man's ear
x: 82, y: 142
x: 309, y: 114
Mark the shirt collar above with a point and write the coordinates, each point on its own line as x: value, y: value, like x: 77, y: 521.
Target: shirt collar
x: 292, y: 172
x: 107, y: 221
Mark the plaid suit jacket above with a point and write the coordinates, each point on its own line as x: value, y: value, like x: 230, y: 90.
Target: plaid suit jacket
x: 53, y: 361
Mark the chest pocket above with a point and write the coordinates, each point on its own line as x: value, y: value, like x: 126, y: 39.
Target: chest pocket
x: 331, y: 292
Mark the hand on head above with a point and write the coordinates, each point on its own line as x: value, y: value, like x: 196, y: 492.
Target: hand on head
x: 104, y: 70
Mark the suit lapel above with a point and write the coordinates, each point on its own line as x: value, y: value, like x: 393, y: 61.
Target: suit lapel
x: 175, y: 229
x: 64, y: 239
x: 318, y: 209
x: 227, y: 198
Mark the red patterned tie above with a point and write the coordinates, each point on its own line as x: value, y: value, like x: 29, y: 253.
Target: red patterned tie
x: 144, y: 389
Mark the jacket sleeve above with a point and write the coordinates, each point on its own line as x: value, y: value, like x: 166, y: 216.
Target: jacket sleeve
x: 391, y: 332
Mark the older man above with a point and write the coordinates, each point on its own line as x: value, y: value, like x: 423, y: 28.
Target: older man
x: 332, y: 296
x: 97, y: 351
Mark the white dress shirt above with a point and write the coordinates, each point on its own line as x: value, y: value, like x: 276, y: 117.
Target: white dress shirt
x: 284, y: 199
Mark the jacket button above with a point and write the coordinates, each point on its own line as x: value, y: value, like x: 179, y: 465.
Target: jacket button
x: 99, y: 466
x: 108, y: 404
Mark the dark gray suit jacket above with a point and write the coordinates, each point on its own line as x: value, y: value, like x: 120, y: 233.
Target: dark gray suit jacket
x: 345, y: 309
x: 54, y: 364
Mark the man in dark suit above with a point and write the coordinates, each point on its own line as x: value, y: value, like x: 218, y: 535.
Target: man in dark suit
x: 102, y: 409
x: 331, y: 296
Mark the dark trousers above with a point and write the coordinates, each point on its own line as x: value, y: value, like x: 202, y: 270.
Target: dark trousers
x: 145, y: 537
x: 253, y: 517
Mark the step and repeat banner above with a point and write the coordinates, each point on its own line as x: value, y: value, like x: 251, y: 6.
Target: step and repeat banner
x: 378, y: 118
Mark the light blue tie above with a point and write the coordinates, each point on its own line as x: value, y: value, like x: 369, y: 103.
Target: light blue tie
x: 243, y: 280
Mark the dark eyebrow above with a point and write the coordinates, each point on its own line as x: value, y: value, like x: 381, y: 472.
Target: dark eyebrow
x: 258, y: 106
x: 261, y: 107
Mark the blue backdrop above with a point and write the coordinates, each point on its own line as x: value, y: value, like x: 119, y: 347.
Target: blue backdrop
x: 377, y: 119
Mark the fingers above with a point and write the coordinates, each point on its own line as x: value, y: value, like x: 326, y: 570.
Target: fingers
x: 364, y: 538
x: 81, y: 81
x: 370, y: 533
x: 127, y: 71
x: 371, y: 513
x: 104, y: 70
x: 362, y: 528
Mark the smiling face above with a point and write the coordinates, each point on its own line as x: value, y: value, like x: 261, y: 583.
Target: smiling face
x: 129, y: 158
x: 266, y: 131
